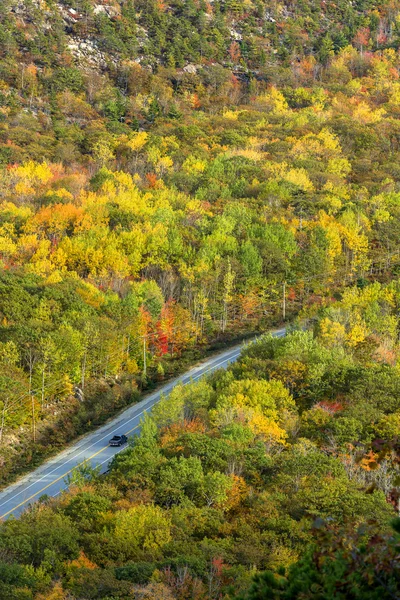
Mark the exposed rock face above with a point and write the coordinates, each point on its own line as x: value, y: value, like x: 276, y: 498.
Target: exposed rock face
x: 235, y: 35
x: 192, y: 69
x: 87, y: 51
x: 111, y: 11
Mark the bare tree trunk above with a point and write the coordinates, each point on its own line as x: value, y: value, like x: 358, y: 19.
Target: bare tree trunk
x: 144, y: 356
x: 31, y: 359
x: 33, y: 418
x: 42, y: 391
x: 284, y: 301
x: 3, y: 418
x: 83, y: 373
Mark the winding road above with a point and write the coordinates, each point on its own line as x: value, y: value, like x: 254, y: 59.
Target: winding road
x: 51, y: 477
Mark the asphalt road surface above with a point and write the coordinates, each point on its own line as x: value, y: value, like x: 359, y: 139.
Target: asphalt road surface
x: 51, y: 478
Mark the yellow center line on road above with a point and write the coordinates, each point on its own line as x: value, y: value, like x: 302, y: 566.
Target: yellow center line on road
x: 59, y: 478
x: 212, y: 367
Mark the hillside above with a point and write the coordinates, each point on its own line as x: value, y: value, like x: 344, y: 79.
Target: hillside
x: 71, y: 70
x: 287, y: 464
x: 175, y: 176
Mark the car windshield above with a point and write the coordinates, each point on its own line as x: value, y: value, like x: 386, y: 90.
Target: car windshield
x: 116, y: 437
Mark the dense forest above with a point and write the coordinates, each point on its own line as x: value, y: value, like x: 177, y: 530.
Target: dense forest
x: 175, y: 175
x: 286, y: 463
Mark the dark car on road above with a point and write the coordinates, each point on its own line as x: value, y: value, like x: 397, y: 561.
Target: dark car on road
x: 118, y: 440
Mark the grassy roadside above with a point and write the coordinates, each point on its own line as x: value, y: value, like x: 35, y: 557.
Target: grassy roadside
x: 104, y: 402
